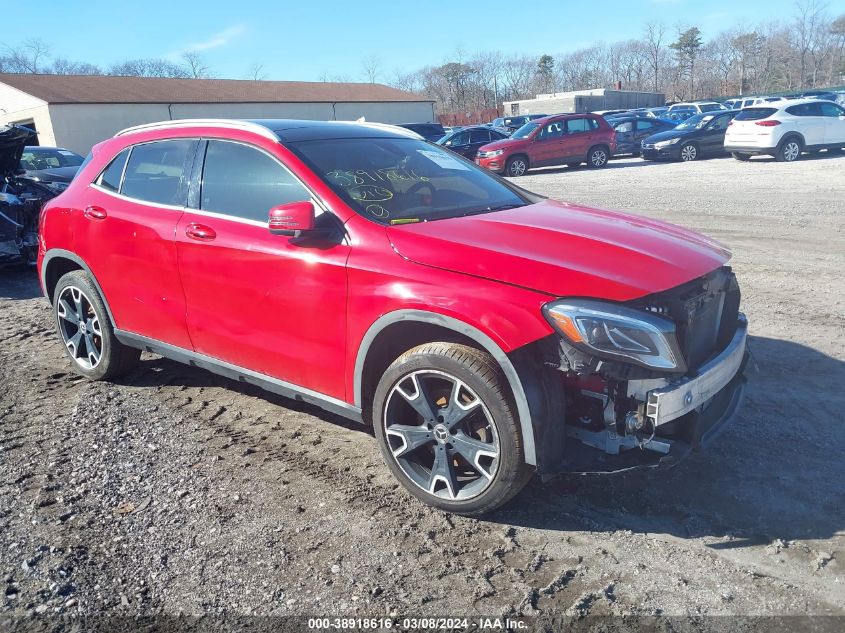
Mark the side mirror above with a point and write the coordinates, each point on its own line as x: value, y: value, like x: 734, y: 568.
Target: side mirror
x: 292, y: 219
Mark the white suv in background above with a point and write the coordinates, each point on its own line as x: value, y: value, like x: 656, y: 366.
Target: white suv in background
x: 786, y: 129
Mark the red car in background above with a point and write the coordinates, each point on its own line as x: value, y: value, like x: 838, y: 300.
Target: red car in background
x: 484, y: 331
x: 562, y: 139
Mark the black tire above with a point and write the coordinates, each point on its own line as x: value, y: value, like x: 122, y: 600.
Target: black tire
x: 93, y: 339
x: 741, y: 156
x: 484, y: 388
x: 789, y: 150
x: 598, y: 156
x: 516, y: 166
x: 689, y: 152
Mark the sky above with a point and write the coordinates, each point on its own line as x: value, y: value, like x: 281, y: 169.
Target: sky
x: 314, y: 40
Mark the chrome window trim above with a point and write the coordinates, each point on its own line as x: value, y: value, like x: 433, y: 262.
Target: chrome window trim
x: 120, y: 196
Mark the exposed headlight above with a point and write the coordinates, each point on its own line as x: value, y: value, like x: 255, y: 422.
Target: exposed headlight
x: 617, y: 333
x: 491, y: 154
x: 662, y: 144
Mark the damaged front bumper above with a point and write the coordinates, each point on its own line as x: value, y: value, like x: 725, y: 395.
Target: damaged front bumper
x: 660, y: 421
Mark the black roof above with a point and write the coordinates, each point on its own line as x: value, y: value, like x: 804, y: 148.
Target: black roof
x: 289, y: 130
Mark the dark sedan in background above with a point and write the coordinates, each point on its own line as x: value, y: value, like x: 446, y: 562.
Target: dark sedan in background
x: 631, y: 130
x: 429, y: 131
x: 699, y: 136
x: 53, y: 167
x: 466, y: 141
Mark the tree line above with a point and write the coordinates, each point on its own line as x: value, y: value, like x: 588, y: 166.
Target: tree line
x: 807, y: 51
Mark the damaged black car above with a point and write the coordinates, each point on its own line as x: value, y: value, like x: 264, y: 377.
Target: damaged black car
x: 21, y: 199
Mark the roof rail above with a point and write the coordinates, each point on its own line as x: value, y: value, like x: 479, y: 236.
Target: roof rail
x: 236, y: 124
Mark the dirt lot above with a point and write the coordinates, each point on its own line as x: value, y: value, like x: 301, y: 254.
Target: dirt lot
x: 175, y: 491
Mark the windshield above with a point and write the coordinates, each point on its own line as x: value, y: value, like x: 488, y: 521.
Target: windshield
x: 526, y: 130
x: 398, y: 181
x: 696, y: 122
x: 34, y: 159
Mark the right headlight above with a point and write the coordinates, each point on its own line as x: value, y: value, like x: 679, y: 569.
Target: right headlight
x: 662, y: 144
x: 615, y: 332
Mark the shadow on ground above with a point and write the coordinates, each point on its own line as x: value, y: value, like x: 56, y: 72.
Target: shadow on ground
x: 775, y: 474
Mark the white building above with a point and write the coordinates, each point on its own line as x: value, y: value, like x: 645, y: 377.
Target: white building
x: 78, y: 111
x: 585, y: 101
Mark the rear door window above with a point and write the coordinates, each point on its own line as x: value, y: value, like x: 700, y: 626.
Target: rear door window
x: 831, y: 110
x: 805, y: 109
x: 479, y: 136
x: 644, y: 125
x: 244, y: 182
x: 577, y: 126
x: 158, y: 172
x: 755, y: 114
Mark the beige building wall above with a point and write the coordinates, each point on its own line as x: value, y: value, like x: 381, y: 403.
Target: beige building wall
x: 19, y: 107
x: 80, y: 126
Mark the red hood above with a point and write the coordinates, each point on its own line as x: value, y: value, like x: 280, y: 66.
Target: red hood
x: 505, y: 143
x: 564, y: 250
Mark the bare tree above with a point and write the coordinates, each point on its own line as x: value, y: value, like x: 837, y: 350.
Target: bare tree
x: 256, y: 72
x: 197, y: 69
x: 371, y: 66
x: 655, y: 33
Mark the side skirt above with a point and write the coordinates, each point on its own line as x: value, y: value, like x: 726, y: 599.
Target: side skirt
x: 228, y: 370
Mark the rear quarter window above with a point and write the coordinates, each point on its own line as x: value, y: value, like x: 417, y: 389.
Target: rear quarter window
x: 110, y: 177
x: 755, y: 114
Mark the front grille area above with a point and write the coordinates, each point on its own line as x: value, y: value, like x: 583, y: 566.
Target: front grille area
x: 705, y: 312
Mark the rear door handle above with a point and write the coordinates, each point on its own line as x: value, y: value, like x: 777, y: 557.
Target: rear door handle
x: 95, y: 213
x: 200, y: 232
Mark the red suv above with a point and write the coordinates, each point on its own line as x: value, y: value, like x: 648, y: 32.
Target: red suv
x: 562, y: 139
x: 485, y: 332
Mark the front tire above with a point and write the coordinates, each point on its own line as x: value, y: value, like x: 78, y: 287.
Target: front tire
x: 516, y: 166
x: 446, y: 428
x: 689, y: 152
x: 86, y: 332
x: 789, y: 150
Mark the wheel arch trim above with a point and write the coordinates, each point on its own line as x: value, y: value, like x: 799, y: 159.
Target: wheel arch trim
x: 60, y: 253
x: 487, y: 343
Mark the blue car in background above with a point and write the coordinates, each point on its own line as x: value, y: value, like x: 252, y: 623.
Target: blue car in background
x: 631, y: 129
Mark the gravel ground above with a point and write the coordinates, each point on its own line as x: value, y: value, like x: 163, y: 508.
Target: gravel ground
x: 175, y: 491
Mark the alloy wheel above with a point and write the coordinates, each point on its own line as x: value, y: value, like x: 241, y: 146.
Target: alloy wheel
x: 80, y: 327
x: 791, y: 151
x: 517, y: 167
x: 441, y: 435
x: 598, y: 158
x: 688, y: 153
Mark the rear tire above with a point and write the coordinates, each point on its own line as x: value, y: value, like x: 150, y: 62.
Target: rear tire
x: 741, y: 156
x: 598, y: 156
x: 789, y: 150
x: 87, y: 332
x: 447, y: 430
x: 516, y: 166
